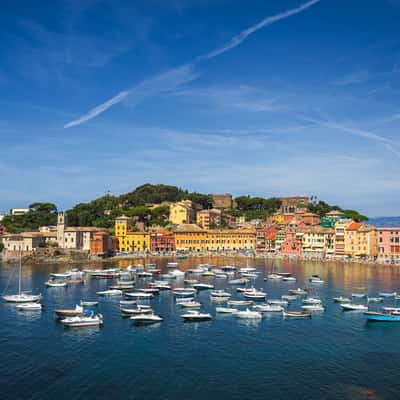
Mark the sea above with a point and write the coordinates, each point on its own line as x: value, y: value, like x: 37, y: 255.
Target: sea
x: 384, y: 221
x: 335, y: 355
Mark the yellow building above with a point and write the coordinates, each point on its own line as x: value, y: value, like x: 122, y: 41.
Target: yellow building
x: 207, y: 219
x: 128, y: 240
x: 360, y: 240
x: 182, y: 212
x: 340, y: 228
x: 191, y: 237
x: 317, y: 240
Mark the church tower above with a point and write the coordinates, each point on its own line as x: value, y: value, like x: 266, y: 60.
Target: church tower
x: 61, y: 224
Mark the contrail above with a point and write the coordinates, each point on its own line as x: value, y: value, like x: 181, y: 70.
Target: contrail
x: 163, y: 79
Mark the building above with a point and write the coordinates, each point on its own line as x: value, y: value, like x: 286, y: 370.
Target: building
x: 101, y: 243
x: 340, y: 228
x: 19, y: 211
x: 317, y: 240
x: 208, y: 219
x: 182, y: 212
x: 388, y: 243
x: 25, y: 242
x: 162, y: 241
x: 289, y: 205
x: 128, y: 240
x: 190, y: 237
x: 330, y: 219
x: 292, y: 243
x: 223, y: 201
x: 360, y: 240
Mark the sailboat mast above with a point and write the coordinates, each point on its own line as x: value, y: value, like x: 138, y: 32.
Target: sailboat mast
x: 20, y: 271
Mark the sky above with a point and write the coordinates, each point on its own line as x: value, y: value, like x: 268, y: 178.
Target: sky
x: 263, y: 97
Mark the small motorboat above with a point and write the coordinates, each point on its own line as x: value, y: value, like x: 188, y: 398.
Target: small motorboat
x: 241, y: 289
x: 358, y: 295
x: 341, y: 299
x: 381, y: 317
x: 297, y: 314
x: 184, y: 292
x: 274, y: 276
x: 153, y: 290
x: 391, y: 309
x: 88, y: 318
x: 278, y: 302
x: 298, y: 291
x: 220, y: 293
x: 64, y: 275
x: 167, y: 277
x: 248, y: 314
x: 311, y: 300
x: 88, y: 303
x: 177, y: 273
x: 139, y: 309
x: 289, y: 279
x: 29, y: 307
x: 268, y: 308
x: 139, y: 295
x: 180, y: 300
x: 374, y: 299
x: 121, y: 286
x: 127, y: 302
x: 221, y: 275
x: 386, y: 294
x: 254, y: 294
x: 316, y: 280
x: 313, y: 307
x: 208, y: 273
x: 226, y: 310
x: 239, y: 281
x: 247, y: 269
x: 144, y: 274
x: 69, y: 312
x: 190, y: 281
x: 151, y: 266
x: 203, y: 286
x: 172, y: 265
x: 288, y: 297
x: 251, y: 275
x: 240, y: 302
x: 55, y: 283
x: 111, y: 292
x: 196, y: 316
x: 190, y: 304
x: 353, y: 307
x: 145, y: 319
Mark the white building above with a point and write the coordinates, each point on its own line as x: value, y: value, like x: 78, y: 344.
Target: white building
x: 19, y: 211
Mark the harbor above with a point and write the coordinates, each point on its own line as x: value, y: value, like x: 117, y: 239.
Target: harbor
x: 257, y: 345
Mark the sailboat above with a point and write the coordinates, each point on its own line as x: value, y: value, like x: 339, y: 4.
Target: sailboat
x: 21, y: 297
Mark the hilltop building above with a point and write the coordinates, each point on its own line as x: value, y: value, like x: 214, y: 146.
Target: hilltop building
x: 182, y: 212
x: 289, y: 205
x: 207, y: 219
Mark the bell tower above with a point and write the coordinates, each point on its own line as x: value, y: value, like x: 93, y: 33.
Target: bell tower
x: 61, y: 224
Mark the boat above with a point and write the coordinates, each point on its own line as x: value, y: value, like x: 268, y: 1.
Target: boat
x: 180, y: 300
x: 202, y: 286
x: 274, y: 276
x: 249, y: 274
x: 151, y: 266
x: 289, y: 279
x: 144, y: 274
x: 196, y: 271
x: 226, y: 310
x: 381, y: 317
x: 353, y: 307
x: 391, y: 309
x: 190, y: 304
x: 64, y: 275
x: 374, y: 299
x: 111, y: 292
x: 228, y: 268
x: 142, y: 319
x: 248, y: 314
x: 239, y: 281
x: 190, y: 281
x: 139, y: 295
x: 184, y: 292
x: 297, y: 314
x: 127, y: 302
x: 268, y: 308
x: 193, y: 316
x: 241, y: 289
x: 69, y: 312
x: 172, y: 265
x: 385, y: 294
x: 29, y: 307
x: 221, y: 275
x: 88, y: 318
x: 313, y: 307
x: 121, y: 286
x: 358, y: 295
x: 247, y: 269
x: 240, y: 302
x: 166, y: 277
x: 311, y: 300
x: 316, y: 280
x: 288, y: 297
x: 278, y: 302
x: 283, y: 274
x: 139, y: 309
x: 254, y: 294
x: 152, y: 290
x: 208, y: 273
x: 298, y: 291
x: 21, y: 297
x: 220, y: 293
x: 397, y: 298
x: 88, y: 303
x: 177, y: 273
x: 55, y: 283
x: 341, y: 299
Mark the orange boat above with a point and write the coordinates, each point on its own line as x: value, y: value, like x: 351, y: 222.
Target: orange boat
x: 76, y: 311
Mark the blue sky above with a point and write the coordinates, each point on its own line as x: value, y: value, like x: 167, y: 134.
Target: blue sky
x: 269, y: 97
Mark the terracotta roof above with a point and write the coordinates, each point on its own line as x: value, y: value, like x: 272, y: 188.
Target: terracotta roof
x: 354, y: 226
x: 188, y: 228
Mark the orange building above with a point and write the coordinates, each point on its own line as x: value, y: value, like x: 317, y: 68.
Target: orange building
x: 101, y: 243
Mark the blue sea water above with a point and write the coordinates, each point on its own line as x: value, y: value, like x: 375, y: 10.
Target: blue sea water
x: 334, y: 355
x: 385, y: 221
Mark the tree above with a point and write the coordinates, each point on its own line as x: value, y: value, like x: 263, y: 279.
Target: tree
x: 1, y: 246
x: 355, y: 215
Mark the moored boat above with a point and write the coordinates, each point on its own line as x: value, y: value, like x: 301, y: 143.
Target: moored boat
x: 240, y: 302
x: 381, y: 317
x: 88, y: 303
x: 111, y: 292
x: 387, y: 294
x: 297, y: 314
x: 313, y: 307
x: 194, y: 316
x: 85, y: 320
x: 267, y: 308
x: 29, y: 307
x: 298, y: 291
x: 203, y: 286
x: 353, y: 307
x: 341, y: 299
x: 55, y: 283
x: 146, y: 319
x: 239, y: 281
x: 69, y: 312
x: 248, y: 314
x: 226, y: 310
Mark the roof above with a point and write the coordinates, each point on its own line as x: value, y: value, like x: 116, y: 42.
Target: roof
x: 83, y: 229
x: 317, y: 229
x: 124, y: 217
x: 354, y: 226
x: 334, y: 213
x: 367, y: 228
x: 188, y: 228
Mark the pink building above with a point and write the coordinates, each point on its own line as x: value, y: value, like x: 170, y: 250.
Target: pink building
x: 389, y: 243
x: 292, y: 244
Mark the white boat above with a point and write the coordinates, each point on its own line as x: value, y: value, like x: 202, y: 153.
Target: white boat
x: 239, y: 281
x: 144, y: 274
x: 172, y: 265
x: 208, y: 273
x: 184, y: 292
x: 298, y: 291
x: 221, y: 275
x: 127, y: 302
x: 247, y: 269
x: 151, y: 266
x: 311, y: 300
x: 190, y: 281
x: 228, y: 268
x: 29, y: 307
x: 341, y: 299
x: 297, y: 314
x: 146, y: 318
x: 391, y: 309
x: 254, y: 294
x: 111, y: 292
x: 220, y: 293
x: 278, y: 302
x: 240, y: 302
x: 289, y: 279
x: 139, y: 295
x: 177, y: 273
x: 242, y: 289
x: 152, y: 290
x: 139, y: 309
x: 196, y: 271
x: 358, y: 295
x: 190, y: 304
x: 203, y: 286
x: 374, y: 299
x: 274, y: 276
x: 121, y: 286
x: 354, y: 307
x: 316, y: 280
x: 64, y: 275
x: 167, y: 277
x: 313, y: 307
x: 268, y: 308
x: 249, y: 274
x: 88, y: 318
x: 21, y: 297
x: 180, y: 300
x: 386, y: 294
x: 193, y: 316
x: 226, y: 310
x: 55, y: 283
x: 88, y: 303
x: 288, y: 297
x: 248, y: 314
